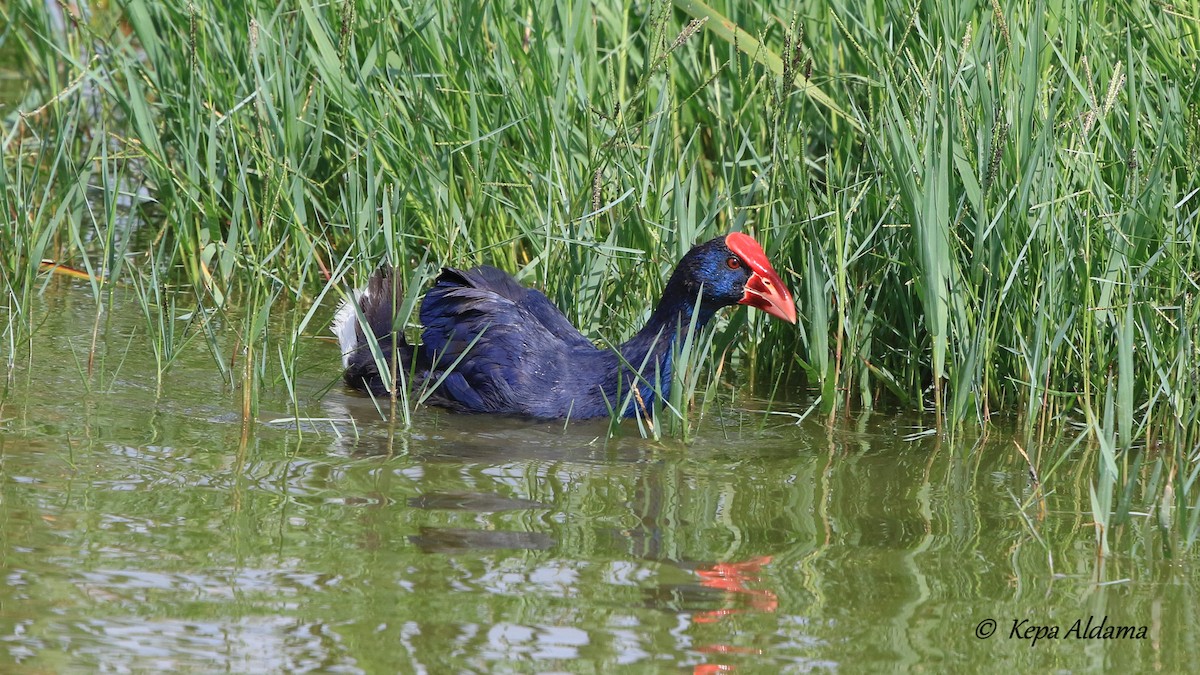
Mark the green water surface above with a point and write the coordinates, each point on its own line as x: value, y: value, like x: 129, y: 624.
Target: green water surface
x: 146, y: 530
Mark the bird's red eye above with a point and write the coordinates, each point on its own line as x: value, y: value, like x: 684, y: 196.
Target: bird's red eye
x: 733, y: 263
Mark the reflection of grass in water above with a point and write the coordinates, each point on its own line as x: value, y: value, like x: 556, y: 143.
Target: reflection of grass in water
x: 1013, y: 229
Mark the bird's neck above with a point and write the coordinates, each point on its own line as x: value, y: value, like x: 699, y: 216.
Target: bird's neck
x: 671, y: 319
x: 645, y: 361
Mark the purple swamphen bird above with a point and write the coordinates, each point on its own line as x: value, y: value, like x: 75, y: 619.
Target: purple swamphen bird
x: 498, y: 347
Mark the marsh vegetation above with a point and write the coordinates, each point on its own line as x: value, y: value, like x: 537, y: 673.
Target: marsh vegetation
x: 989, y: 211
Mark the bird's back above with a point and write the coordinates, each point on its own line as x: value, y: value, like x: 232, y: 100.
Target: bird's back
x: 500, y: 347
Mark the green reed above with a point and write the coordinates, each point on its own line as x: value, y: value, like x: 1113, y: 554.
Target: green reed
x: 984, y: 209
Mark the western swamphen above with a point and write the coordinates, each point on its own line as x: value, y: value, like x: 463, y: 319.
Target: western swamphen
x: 508, y: 350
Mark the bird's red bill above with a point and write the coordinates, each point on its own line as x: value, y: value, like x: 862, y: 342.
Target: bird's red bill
x: 764, y: 289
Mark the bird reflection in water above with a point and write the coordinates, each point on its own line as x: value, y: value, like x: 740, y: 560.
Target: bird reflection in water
x: 725, y: 589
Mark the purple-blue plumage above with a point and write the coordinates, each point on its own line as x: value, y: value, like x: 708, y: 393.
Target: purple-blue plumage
x: 508, y: 350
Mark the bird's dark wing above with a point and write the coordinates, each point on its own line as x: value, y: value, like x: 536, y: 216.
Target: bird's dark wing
x: 533, y: 301
x: 525, y: 354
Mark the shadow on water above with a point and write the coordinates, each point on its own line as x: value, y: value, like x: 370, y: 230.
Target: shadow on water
x: 147, y: 532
